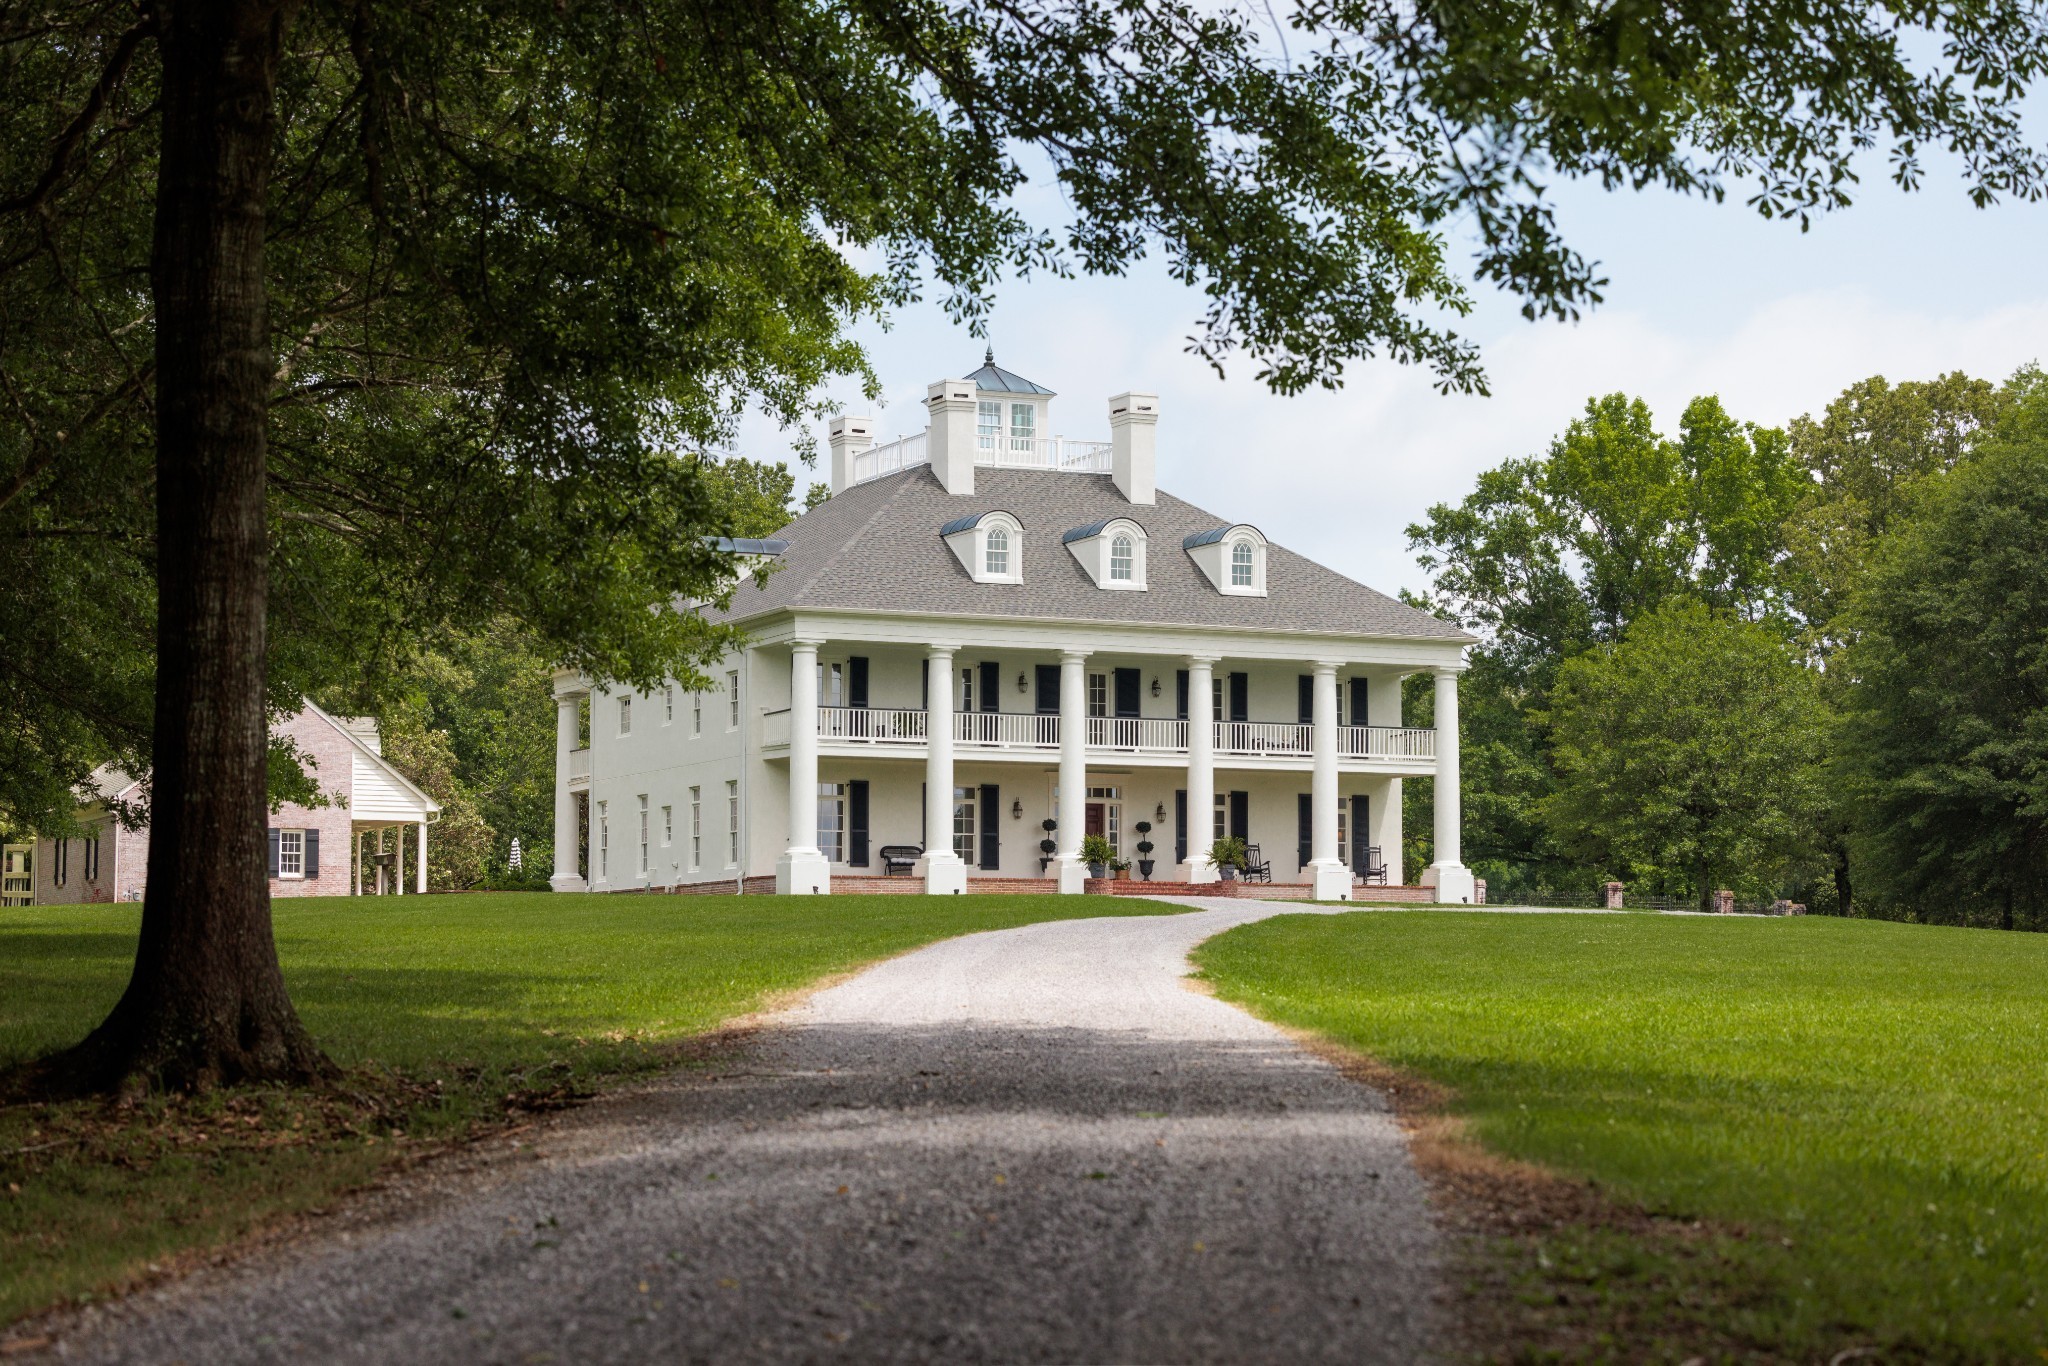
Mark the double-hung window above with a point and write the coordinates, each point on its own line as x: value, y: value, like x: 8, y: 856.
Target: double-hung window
x: 696, y: 828
x: 643, y: 832
x: 668, y: 700
x: 1241, y: 565
x: 963, y: 823
x: 732, y: 806
x: 832, y: 821
x: 997, y: 552
x: 1121, y: 558
x: 696, y: 714
x: 988, y: 425
x: 1023, y: 427
x: 604, y: 843
x: 291, y: 853
x: 732, y: 693
x: 625, y: 716
x: 1098, y: 694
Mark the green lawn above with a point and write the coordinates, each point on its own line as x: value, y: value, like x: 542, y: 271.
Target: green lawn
x: 1869, y: 1101
x: 442, y: 1007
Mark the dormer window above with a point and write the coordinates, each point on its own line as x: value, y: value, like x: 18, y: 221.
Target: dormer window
x: 1233, y: 558
x: 989, y: 546
x: 1120, y: 555
x: 1112, y: 551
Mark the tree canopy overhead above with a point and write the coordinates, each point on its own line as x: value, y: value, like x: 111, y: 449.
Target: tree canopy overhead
x: 324, y: 325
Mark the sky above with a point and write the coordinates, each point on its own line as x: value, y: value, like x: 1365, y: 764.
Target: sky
x: 1702, y: 299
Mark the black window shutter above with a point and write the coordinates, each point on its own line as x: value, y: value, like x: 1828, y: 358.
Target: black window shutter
x: 1241, y: 815
x: 991, y: 827
x: 1240, y: 697
x: 1360, y: 841
x: 1180, y: 694
x: 1308, y: 829
x: 991, y: 680
x: 1047, y: 700
x: 1127, y: 692
x: 924, y: 684
x: 857, y: 681
x: 857, y: 822
x: 1361, y: 707
x: 273, y: 852
x: 312, y: 853
x: 1306, y: 689
x: 1180, y: 826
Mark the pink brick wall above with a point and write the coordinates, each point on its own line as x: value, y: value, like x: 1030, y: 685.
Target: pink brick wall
x: 332, y: 766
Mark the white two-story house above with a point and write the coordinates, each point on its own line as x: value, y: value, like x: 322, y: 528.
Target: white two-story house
x: 986, y: 628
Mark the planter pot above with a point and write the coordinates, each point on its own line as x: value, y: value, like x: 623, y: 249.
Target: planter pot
x: 1229, y: 872
x: 1097, y: 870
x: 1121, y: 874
x: 1145, y: 869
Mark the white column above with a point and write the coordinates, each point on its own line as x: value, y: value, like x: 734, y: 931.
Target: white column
x: 943, y: 870
x: 398, y: 867
x: 1073, y: 873
x: 1384, y: 704
x: 423, y: 858
x: 565, y: 877
x: 1201, y: 768
x: 802, y: 869
x: 1328, y: 875
x: 1448, y: 874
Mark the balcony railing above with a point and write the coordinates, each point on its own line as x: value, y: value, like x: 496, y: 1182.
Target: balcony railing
x: 1385, y: 742
x: 579, y: 765
x: 872, y: 725
x: 1264, y: 737
x: 891, y: 456
x: 1005, y: 730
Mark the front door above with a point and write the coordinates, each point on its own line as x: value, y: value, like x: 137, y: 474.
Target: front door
x: 1097, y: 819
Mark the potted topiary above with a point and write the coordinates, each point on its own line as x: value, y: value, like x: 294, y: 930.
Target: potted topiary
x: 1048, y: 846
x: 1228, y: 856
x: 1098, y: 853
x: 1144, y: 828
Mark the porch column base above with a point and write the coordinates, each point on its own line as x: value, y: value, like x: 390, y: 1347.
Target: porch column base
x: 1202, y: 869
x: 944, y: 873
x: 1073, y: 877
x: 803, y: 872
x: 1453, y: 883
x: 1330, y: 880
x: 568, y: 884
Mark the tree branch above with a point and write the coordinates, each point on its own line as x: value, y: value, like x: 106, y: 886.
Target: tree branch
x: 67, y: 142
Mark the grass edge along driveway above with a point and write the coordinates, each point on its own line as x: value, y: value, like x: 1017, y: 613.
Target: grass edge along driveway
x: 1867, y: 1103
x: 452, y: 1015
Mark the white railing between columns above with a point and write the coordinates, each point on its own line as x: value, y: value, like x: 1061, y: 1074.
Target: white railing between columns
x: 872, y: 725
x: 579, y: 764
x: 1007, y: 729
x: 1385, y: 742
x: 1264, y: 737
x: 1044, y: 453
x: 1138, y: 733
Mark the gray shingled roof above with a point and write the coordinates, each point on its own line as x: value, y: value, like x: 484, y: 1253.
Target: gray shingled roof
x: 876, y: 547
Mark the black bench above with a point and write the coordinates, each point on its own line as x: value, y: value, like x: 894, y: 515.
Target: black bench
x: 898, y: 860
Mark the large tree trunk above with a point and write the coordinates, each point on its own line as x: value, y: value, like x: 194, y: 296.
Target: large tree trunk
x: 207, y: 1003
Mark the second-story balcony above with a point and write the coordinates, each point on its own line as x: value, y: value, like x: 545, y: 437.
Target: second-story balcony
x: 854, y: 729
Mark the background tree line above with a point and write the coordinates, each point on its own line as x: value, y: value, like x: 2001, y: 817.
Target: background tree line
x: 1807, y: 662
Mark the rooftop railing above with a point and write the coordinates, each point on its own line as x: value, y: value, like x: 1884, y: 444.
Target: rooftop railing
x: 1001, y: 452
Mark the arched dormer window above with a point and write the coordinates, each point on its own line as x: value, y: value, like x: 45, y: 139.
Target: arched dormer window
x: 1233, y: 558
x: 989, y: 546
x: 1120, y: 558
x: 1111, y: 551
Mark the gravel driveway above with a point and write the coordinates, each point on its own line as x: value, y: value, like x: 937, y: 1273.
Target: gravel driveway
x: 1028, y: 1145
